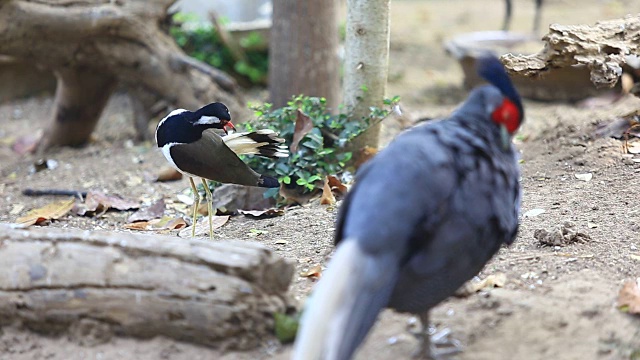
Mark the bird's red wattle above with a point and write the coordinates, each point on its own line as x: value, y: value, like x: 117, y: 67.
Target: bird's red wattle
x: 507, y: 114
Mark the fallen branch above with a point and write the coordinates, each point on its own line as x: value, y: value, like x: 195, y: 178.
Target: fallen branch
x: 221, y: 294
x: 601, y: 47
x: 95, y: 46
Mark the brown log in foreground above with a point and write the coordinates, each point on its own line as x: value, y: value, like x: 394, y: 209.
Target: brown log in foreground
x: 601, y: 47
x: 86, y: 42
x: 220, y: 294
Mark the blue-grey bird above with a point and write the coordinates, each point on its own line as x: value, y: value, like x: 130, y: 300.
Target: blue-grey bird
x: 424, y: 216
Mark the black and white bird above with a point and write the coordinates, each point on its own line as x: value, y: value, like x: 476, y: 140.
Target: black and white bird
x: 424, y: 216
x: 197, y: 144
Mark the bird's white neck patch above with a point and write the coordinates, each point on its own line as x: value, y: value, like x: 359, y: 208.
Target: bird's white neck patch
x: 207, y: 120
x: 172, y: 113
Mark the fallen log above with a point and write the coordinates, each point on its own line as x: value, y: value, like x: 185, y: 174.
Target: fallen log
x: 96, y: 46
x: 220, y: 294
x: 602, y: 47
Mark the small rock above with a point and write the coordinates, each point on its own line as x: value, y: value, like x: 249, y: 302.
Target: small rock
x: 564, y: 235
x: 533, y: 213
x: 584, y: 177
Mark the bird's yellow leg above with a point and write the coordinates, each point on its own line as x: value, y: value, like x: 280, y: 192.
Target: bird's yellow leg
x: 209, y: 206
x: 196, y: 204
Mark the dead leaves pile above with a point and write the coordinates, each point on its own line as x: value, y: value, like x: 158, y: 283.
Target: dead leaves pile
x: 151, y: 218
x: 97, y: 204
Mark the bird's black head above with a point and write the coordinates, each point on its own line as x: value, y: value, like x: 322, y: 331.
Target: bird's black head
x: 215, y: 115
x: 508, y: 113
x: 183, y: 126
x: 212, y: 114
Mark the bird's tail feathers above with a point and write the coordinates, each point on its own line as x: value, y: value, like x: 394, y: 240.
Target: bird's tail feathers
x: 344, y: 305
x: 268, y: 182
x: 261, y: 142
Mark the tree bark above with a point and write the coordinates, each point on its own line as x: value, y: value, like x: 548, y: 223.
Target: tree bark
x: 303, y: 57
x: 98, y: 40
x: 602, y: 47
x: 220, y: 294
x: 366, y: 62
x: 74, y: 121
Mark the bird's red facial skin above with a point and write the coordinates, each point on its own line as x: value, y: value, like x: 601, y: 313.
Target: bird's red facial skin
x: 507, y: 114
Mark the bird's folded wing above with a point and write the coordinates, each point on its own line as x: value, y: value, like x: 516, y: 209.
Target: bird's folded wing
x: 211, y: 159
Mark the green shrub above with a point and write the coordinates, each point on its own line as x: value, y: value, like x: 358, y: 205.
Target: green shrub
x: 204, y: 44
x: 321, y: 152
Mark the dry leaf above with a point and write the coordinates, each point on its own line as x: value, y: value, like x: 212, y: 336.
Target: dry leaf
x: 154, y: 211
x: 97, y: 202
x: 165, y: 223
x: 313, y: 272
x: 327, y: 196
x: 139, y: 225
x: 338, y: 188
x: 52, y: 211
x: 491, y: 281
x: 262, y: 214
x: 168, y: 173
x: 202, y: 228
x: 175, y: 223
x: 303, y: 126
x: 629, y: 297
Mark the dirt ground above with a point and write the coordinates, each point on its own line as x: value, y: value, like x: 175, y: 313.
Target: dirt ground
x: 559, y: 301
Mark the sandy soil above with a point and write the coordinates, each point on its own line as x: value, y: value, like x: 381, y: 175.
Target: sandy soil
x: 558, y: 303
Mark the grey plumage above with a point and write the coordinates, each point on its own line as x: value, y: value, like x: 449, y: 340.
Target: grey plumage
x: 424, y: 216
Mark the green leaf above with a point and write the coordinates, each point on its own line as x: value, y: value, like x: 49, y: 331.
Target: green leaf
x: 286, y: 179
x: 286, y: 327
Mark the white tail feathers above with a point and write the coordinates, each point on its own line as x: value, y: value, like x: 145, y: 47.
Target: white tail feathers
x: 261, y: 142
x: 327, y: 309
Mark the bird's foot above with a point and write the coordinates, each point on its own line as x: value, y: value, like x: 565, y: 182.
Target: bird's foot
x: 437, y: 345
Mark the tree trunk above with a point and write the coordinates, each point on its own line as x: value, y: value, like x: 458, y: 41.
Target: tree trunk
x: 73, y: 120
x: 98, y: 41
x: 303, y: 55
x: 366, y: 63
x: 221, y: 294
